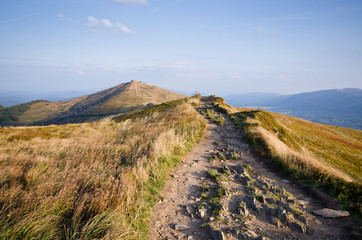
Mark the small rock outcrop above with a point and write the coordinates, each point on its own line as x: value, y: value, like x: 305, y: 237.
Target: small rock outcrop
x: 331, y: 213
x: 217, y: 235
x: 180, y: 227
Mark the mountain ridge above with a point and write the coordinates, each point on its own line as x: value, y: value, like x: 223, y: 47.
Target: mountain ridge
x: 122, y: 98
x: 339, y: 107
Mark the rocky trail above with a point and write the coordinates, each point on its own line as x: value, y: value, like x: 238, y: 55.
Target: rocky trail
x: 222, y: 191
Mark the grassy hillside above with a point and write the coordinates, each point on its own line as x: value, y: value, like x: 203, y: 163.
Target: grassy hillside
x: 338, y: 107
x: 328, y: 155
x: 119, y: 99
x: 92, y: 180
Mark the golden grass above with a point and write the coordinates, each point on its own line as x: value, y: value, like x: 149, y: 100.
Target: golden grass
x: 92, y: 180
x: 121, y: 98
x: 303, y: 160
x: 329, y: 156
x: 43, y: 110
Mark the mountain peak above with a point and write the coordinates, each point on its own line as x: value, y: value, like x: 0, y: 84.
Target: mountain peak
x: 125, y: 97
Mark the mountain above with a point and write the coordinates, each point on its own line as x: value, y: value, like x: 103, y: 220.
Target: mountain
x: 123, y: 98
x: 8, y: 100
x: 340, y: 107
x: 11, y: 98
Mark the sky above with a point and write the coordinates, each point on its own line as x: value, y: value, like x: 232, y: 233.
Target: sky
x: 218, y: 47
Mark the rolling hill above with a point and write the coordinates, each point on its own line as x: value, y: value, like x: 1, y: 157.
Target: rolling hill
x: 123, y: 98
x: 339, y: 107
x: 325, y: 155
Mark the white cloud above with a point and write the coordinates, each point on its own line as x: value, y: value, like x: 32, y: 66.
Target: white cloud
x: 60, y: 15
x: 131, y: 1
x: 106, y: 23
x: 122, y: 28
x: 103, y: 24
x: 260, y: 29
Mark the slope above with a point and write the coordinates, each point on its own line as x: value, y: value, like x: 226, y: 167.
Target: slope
x: 309, y: 151
x: 91, y: 180
x: 339, y: 107
x: 119, y: 99
x: 224, y: 191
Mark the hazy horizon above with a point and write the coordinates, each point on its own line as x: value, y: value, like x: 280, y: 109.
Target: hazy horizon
x: 211, y: 47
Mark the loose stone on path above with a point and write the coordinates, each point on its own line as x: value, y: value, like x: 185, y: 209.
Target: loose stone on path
x: 331, y: 213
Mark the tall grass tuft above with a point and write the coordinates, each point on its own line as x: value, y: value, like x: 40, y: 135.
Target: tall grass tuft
x: 326, y: 155
x: 93, y: 180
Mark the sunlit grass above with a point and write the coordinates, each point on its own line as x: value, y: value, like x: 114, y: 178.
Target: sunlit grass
x: 329, y: 156
x: 92, y: 180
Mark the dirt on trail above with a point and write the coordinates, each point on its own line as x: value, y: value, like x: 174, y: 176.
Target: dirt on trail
x: 221, y: 190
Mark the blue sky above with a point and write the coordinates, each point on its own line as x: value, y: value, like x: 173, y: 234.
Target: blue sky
x: 208, y: 46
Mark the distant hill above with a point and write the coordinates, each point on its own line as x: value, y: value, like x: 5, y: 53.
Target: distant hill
x: 8, y: 100
x: 11, y: 98
x: 340, y: 107
x: 119, y: 99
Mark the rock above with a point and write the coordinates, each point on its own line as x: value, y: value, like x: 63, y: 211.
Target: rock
x: 228, y: 155
x: 251, y: 202
x: 217, y: 235
x: 202, y: 212
x: 265, y: 208
x: 302, y: 219
x: 261, y: 185
x: 285, y: 181
x: 244, y: 180
x: 282, y: 215
x: 251, y: 234
x: 298, y: 227
x: 274, y: 221
x: 261, y: 238
x: 331, y: 213
x: 291, y: 201
x: 239, y: 169
x: 175, y: 176
x: 277, y: 190
x: 180, y: 227
x: 302, y: 202
x: 243, y: 211
x: 286, y: 206
x: 261, y: 198
x: 270, y: 200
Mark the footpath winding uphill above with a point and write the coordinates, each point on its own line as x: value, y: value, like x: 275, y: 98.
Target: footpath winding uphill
x: 222, y: 191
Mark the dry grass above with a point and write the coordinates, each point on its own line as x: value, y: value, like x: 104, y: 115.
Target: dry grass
x: 93, y: 180
x: 330, y: 157
x: 300, y: 160
x: 119, y: 99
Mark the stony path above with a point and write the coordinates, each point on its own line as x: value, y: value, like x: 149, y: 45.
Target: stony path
x: 244, y: 199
